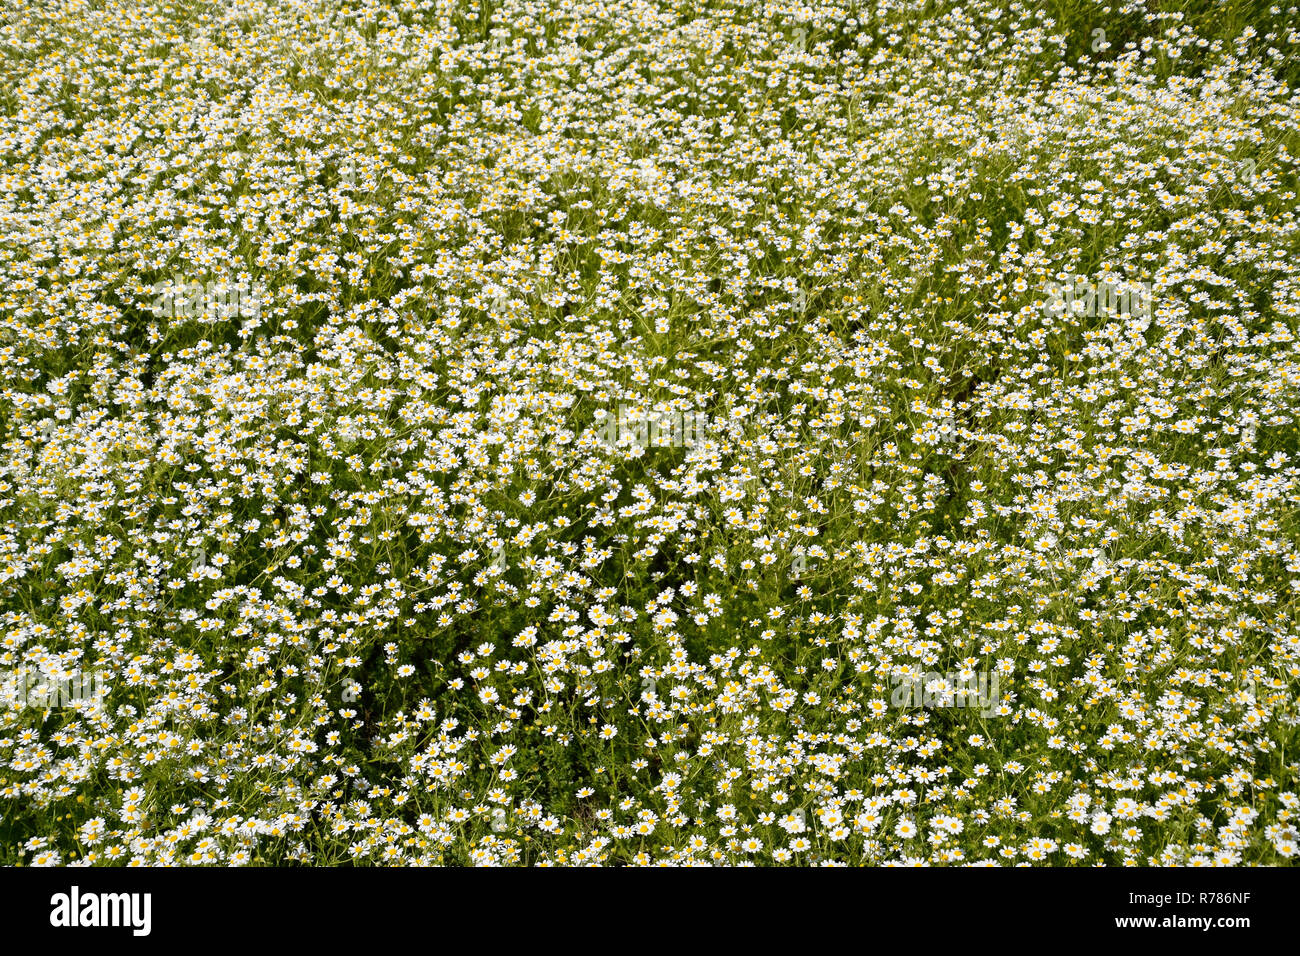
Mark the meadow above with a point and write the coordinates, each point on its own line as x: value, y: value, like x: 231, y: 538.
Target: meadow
x: 649, y: 432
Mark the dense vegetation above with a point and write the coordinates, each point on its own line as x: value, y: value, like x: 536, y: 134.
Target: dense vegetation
x: 563, y: 432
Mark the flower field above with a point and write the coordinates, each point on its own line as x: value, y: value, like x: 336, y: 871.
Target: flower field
x: 673, y: 432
